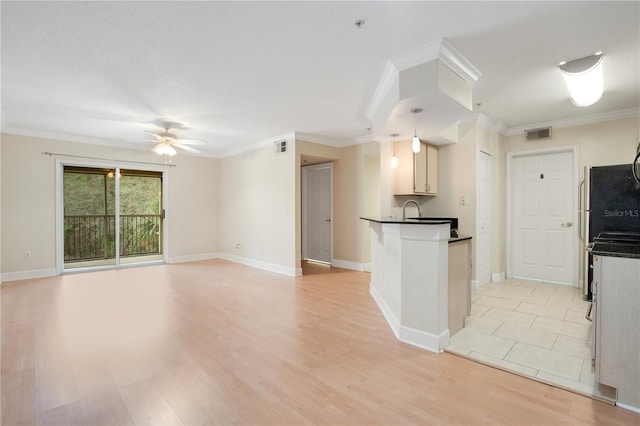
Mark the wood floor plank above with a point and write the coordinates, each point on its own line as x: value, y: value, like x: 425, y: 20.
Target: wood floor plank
x: 215, y: 342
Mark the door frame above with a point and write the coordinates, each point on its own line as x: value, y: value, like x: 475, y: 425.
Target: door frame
x: 305, y: 220
x: 511, y: 156
x: 116, y: 165
x: 478, y: 283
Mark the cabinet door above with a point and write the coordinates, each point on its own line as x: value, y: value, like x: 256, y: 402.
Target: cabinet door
x: 420, y: 170
x: 403, y: 175
x: 432, y: 169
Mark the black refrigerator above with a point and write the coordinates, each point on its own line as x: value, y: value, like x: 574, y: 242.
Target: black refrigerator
x: 609, y: 209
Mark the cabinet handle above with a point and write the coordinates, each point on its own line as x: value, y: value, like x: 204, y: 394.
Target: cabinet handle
x: 588, y: 315
x: 428, y: 188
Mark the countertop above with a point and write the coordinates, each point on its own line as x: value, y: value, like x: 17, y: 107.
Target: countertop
x: 408, y: 220
x: 631, y: 251
x: 459, y: 238
x: 423, y: 221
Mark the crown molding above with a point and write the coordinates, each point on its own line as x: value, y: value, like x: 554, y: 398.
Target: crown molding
x: 454, y: 59
x: 290, y: 137
x: 362, y: 139
x: 438, y: 49
x: 499, y: 128
x: 414, y: 57
x: 577, y: 121
x: 323, y: 140
x: 384, y: 85
x: 478, y: 119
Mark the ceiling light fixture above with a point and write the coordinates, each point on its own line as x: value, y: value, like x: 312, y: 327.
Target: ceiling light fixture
x: 165, y: 148
x: 415, y: 142
x: 394, y: 159
x: 583, y: 78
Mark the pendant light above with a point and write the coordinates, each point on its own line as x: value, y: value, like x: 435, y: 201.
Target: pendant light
x: 415, y: 142
x: 394, y: 159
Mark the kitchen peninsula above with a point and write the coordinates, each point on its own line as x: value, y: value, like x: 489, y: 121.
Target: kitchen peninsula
x: 410, y: 278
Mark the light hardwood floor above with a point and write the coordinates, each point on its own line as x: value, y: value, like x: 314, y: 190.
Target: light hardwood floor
x: 215, y: 342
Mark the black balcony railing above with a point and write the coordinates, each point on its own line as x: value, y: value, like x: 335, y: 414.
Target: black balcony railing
x: 92, y: 237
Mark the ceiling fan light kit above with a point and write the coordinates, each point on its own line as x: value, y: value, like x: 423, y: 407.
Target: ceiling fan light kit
x: 165, y: 148
x: 168, y: 141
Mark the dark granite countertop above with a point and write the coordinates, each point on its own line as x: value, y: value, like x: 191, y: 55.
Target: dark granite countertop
x: 459, y: 238
x: 423, y: 221
x: 615, y: 249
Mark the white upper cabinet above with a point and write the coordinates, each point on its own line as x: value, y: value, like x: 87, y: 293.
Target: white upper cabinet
x: 417, y: 174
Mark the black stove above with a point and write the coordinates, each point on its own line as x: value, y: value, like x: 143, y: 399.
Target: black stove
x: 618, y: 244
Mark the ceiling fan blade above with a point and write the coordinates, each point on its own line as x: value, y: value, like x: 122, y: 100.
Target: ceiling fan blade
x: 190, y: 141
x: 187, y: 148
x: 155, y: 135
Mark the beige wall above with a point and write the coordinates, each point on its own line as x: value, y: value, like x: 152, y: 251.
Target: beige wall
x: 354, y: 185
x: 457, y: 170
x: 371, y: 208
x: 609, y: 142
x: 257, y: 204
x: 29, y: 207
x: 498, y: 207
x: 604, y: 143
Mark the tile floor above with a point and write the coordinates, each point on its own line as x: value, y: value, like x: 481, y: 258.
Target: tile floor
x: 534, y: 328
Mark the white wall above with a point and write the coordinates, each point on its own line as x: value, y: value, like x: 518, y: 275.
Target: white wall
x: 257, y: 206
x: 28, y: 202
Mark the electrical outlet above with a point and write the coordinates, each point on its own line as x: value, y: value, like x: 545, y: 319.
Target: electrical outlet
x: 27, y: 254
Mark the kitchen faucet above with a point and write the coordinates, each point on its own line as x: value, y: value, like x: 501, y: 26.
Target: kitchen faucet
x: 404, y: 207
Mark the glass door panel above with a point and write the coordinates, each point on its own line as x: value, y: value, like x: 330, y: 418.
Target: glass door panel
x: 140, y: 216
x: 89, y: 217
x: 90, y: 233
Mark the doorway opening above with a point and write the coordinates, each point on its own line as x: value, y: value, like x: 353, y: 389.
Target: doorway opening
x: 111, y: 216
x: 317, y: 213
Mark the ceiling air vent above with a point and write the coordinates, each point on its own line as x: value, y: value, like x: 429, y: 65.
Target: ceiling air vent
x: 281, y: 146
x: 537, y: 134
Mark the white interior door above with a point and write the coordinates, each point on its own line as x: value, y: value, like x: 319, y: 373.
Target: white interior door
x: 542, y: 232
x: 318, y: 236
x: 483, y: 249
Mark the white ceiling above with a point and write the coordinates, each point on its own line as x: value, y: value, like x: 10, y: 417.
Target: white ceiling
x: 240, y: 74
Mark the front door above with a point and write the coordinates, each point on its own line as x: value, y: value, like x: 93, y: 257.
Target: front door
x: 318, y: 212
x: 542, y: 228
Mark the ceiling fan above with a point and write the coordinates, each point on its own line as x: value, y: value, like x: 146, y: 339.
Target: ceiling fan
x: 168, y: 141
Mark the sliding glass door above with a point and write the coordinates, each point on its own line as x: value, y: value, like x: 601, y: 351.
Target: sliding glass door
x: 111, y: 216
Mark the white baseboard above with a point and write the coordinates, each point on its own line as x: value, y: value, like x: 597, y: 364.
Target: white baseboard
x: 272, y: 267
x: 424, y: 340
x: 498, y: 277
x: 628, y: 407
x: 411, y: 336
x: 26, y: 275
x: 367, y: 267
x: 193, y: 257
x: 347, y: 264
x: 384, y: 308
